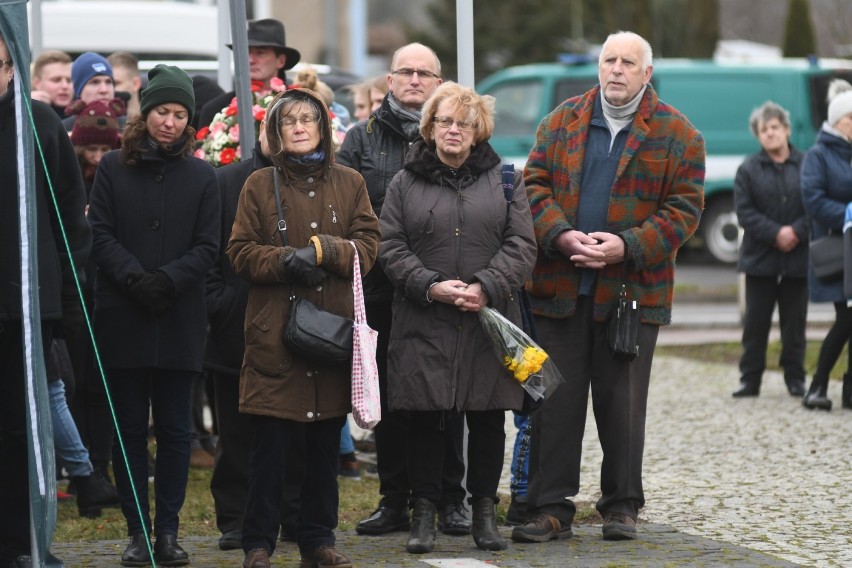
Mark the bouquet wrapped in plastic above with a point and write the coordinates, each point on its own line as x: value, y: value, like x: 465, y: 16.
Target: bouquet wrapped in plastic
x: 520, y: 355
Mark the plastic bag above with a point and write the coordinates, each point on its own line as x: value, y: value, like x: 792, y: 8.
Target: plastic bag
x: 521, y: 356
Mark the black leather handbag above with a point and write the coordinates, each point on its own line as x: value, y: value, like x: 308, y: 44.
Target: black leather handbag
x: 622, y: 328
x: 827, y: 257
x: 310, y: 331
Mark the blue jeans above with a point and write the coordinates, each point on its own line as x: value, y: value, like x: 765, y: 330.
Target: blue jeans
x: 521, y: 456
x: 70, y: 451
x: 167, y: 394
x: 347, y: 445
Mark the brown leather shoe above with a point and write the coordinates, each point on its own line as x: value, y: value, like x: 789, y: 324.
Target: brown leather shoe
x: 323, y: 557
x: 541, y: 527
x: 256, y: 558
x: 618, y: 526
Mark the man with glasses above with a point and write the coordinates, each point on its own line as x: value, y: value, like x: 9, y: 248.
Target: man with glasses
x: 377, y: 148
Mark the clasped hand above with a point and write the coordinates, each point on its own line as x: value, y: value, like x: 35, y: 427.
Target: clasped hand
x: 593, y: 250
x: 301, y: 265
x: 467, y: 297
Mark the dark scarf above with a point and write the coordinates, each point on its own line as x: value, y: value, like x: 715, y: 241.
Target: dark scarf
x: 409, y: 120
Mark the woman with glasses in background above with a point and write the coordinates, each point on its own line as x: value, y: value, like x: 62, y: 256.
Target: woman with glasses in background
x: 452, y: 244
x: 325, y: 206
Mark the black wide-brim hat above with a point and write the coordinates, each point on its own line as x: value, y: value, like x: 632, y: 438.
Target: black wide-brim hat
x: 270, y: 33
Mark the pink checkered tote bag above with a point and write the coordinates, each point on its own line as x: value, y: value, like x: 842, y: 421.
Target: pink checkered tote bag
x: 366, y: 406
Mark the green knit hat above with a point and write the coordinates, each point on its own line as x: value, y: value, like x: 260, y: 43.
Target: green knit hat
x: 168, y: 84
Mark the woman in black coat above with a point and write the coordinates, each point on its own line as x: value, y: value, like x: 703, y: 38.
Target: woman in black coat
x: 154, y: 213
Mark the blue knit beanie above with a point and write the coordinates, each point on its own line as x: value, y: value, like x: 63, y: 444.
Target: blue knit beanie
x: 85, y: 67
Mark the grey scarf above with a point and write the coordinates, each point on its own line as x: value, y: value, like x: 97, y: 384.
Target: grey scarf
x: 408, y: 119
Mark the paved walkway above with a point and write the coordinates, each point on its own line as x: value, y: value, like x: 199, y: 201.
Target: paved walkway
x: 759, y: 482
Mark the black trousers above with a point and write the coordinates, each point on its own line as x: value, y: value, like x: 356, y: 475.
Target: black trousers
x: 762, y: 294
x: 837, y: 337
x: 392, y: 439
x: 432, y: 431
x: 229, y: 483
x: 619, y: 400
x: 319, y: 496
x: 14, y: 468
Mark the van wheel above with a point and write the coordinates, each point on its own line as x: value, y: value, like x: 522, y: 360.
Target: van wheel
x: 720, y: 231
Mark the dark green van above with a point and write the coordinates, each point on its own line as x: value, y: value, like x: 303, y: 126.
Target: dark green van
x: 717, y: 97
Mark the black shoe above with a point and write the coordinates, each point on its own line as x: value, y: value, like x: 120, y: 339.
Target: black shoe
x: 796, y: 387
x: 817, y: 396
x: 422, y: 537
x: 541, y: 527
x: 453, y: 519
x: 618, y: 526
x: 747, y: 389
x: 136, y: 553
x: 231, y: 540
x: 517, y: 512
x: 167, y: 552
x: 486, y: 535
x: 94, y: 493
x: 385, y: 520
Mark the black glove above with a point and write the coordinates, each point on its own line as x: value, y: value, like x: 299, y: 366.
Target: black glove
x: 154, y: 290
x: 301, y: 265
x: 73, y: 321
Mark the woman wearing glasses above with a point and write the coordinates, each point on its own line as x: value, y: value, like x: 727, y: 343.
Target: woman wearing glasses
x: 451, y: 244
x: 324, y: 206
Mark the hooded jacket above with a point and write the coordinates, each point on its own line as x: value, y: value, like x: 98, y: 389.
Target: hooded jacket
x: 439, y: 224
x: 321, y: 199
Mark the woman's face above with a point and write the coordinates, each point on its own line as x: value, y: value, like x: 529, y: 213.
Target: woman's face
x: 361, y: 100
x: 773, y: 135
x: 93, y: 153
x: 299, y: 128
x: 453, y: 134
x: 167, y: 122
x: 844, y: 125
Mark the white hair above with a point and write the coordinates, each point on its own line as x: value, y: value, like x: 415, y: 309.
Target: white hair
x: 647, y: 53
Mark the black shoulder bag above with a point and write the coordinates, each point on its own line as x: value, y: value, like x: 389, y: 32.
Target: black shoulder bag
x: 311, y: 332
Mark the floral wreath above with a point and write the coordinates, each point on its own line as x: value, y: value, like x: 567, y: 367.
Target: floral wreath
x: 219, y: 143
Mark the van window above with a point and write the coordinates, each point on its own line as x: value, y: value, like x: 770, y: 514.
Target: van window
x: 517, y: 108
x: 567, y: 88
x: 819, y: 91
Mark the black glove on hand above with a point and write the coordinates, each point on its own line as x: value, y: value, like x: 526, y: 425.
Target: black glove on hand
x: 154, y: 290
x: 301, y: 266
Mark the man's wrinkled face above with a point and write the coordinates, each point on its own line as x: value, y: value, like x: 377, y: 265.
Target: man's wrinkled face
x: 621, y: 70
x: 410, y: 88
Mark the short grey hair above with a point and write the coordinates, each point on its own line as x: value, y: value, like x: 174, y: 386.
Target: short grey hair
x: 417, y: 44
x: 766, y: 112
x: 647, y: 52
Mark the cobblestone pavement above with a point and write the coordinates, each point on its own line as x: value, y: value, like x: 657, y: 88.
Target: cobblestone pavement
x: 728, y: 482
x: 764, y: 473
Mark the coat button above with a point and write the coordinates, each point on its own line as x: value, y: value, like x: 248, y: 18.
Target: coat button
x: 313, y: 224
x: 310, y: 373
x: 319, y: 288
x: 155, y: 224
x: 159, y: 177
x: 311, y: 193
x: 310, y: 180
x: 310, y: 414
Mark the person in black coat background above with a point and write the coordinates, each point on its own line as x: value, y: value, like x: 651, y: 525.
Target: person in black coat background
x: 154, y: 213
x: 56, y: 288
x: 774, y: 253
x: 227, y: 296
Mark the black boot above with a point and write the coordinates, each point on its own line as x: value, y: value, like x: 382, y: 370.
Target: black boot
x: 817, y: 395
x: 846, y: 399
x: 747, y: 389
x: 485, y: 532
x: 167, y: 551
x: 136, y: 553
x: 93, y: 493
x: 422, y: 537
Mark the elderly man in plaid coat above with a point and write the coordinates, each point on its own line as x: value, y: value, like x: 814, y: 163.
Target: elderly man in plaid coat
x: 616, y: 186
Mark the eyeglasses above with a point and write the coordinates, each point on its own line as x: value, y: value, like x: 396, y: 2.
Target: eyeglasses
x: 304, y: 120
x: 4, y: 62
x: 446, y: 122
x: 409, y: 73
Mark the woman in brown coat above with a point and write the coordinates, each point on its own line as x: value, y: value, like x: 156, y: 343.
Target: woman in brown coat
x: 450, y: 245
x: 325, y: 206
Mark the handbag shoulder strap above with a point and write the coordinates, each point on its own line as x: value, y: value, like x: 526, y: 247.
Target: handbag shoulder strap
x: 508, y: 185
x: 282, y: 223
x: 357, y: 290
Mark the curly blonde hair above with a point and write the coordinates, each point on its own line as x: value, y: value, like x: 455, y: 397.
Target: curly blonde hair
x: 478, y: 109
